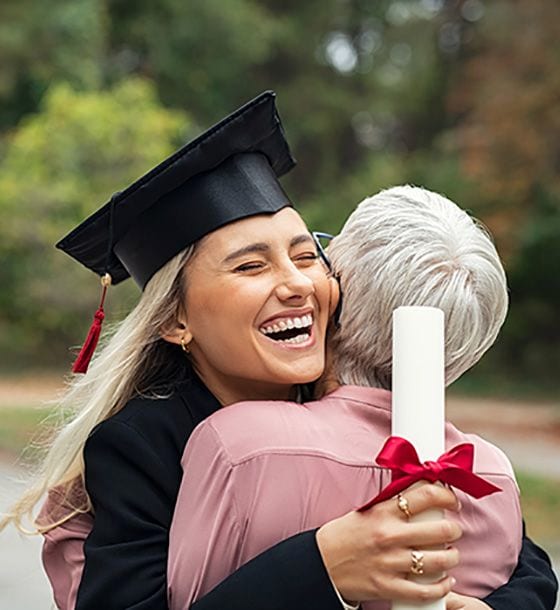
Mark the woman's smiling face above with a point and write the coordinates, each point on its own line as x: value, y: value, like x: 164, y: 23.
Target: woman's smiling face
x: 257, y: 304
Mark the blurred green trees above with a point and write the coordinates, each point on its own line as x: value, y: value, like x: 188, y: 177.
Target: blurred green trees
x: 459, y: 96
x: 58, y: 166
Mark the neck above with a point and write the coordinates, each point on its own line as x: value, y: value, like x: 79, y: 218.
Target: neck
x: 230, y: 391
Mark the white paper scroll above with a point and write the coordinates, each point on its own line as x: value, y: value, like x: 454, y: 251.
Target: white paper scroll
x: 419, y: 397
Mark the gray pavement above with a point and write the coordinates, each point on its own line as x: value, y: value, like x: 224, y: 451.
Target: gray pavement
x: 533, y: 456
x: 23, y: 584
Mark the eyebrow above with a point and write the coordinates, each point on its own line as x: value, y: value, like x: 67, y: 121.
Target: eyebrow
x: 262, y: 247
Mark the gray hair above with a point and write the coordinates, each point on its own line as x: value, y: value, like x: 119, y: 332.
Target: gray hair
x: 409, y: 246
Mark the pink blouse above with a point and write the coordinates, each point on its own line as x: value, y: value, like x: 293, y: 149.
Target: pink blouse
x: 256, y: 473
x: 63, y: 549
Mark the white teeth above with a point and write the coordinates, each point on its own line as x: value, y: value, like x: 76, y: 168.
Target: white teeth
x: 299, y: 339
x: 288, y: 324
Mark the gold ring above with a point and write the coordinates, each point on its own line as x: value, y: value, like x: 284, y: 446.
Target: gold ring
x: 402, y: 503
x: 417, y: 565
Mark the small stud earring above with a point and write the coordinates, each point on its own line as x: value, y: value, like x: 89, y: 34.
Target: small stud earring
x: 184, y: 346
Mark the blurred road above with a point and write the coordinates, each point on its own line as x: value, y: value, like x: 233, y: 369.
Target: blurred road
x: 23, y: 584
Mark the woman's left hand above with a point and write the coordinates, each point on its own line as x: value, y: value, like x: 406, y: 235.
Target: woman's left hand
x: 454, y: 601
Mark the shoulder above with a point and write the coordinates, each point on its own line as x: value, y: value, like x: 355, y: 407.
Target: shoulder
x: 246, y: 430
x: 245, y: 427
x: 161, y: 425
x: 259, y: 412
x: 150, y: 414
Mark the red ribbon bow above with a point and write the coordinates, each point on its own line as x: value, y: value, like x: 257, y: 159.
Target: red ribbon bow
x: 453, y: 467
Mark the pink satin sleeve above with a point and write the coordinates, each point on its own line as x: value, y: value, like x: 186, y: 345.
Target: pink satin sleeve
x: 63, y: 552
x: 205, y: 535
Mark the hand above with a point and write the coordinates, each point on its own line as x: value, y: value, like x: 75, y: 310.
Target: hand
x: 367, y: 554
x: 454, y: 601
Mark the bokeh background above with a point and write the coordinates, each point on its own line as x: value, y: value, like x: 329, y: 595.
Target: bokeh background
x: 461, y: 96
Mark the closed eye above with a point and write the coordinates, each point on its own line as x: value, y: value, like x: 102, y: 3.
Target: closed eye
x: 247, y: 267
x: 308, y: 257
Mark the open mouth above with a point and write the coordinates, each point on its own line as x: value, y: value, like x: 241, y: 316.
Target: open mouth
x: 289, y: 330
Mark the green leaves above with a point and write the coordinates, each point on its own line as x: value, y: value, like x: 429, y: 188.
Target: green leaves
x: 59, y: 166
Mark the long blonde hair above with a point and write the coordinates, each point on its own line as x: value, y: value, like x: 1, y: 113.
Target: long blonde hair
x: 135, y: 360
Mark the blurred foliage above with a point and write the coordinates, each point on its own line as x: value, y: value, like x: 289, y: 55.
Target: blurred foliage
x: 59, y: 165
x: 540, y: 503
x: 459, y: 96
x: 19, y: 430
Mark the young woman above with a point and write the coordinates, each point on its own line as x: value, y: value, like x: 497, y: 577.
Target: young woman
x: 167, y: 368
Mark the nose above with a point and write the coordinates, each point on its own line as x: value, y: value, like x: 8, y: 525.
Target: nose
x: 293, y: 285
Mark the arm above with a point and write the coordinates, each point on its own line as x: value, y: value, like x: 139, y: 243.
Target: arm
x: 208, y: 542
x: 288, y: 575
x: 533, y: 585
x: 63, y: 558
x: 134, y: 496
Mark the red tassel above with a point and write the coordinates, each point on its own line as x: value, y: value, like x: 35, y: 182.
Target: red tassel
x: 88, y: 348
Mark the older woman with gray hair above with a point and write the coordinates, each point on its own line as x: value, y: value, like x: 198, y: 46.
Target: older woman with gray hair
x: 260, y: 471
x: 410, y: 246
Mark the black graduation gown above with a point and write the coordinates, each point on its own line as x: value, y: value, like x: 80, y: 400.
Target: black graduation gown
x: 132, y: 475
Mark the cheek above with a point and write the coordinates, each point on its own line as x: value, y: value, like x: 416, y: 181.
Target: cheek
x: 322, y: 291
x: 221, y: 311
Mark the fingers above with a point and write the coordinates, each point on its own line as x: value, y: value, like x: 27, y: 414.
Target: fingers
x: 427, y: 496
x: 430, y: 533
x: 368, y: 554
x: 415, y: 535
x: 454, y: 602
x: 407, y: 590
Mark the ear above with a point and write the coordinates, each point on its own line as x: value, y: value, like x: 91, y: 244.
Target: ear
x: 334, y: 294
x: 179, y: 331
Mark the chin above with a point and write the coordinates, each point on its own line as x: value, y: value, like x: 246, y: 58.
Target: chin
x: 307, y: 374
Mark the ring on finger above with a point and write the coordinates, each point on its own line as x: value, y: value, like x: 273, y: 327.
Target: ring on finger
x: 402, y: 503
x: 417, y: 562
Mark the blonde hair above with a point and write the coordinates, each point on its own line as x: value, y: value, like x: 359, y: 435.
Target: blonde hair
x: 410, y: 246
x: 135, y: 360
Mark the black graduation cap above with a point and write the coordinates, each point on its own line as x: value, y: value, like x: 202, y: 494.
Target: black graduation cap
x: 227, y: 173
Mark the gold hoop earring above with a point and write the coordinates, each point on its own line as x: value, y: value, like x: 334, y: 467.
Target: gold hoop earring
x: 185, y: 346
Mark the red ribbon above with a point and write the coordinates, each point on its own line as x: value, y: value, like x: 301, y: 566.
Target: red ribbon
x: 453, y: 467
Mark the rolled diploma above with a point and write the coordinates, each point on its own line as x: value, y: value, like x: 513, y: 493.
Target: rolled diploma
x: 418, y: 410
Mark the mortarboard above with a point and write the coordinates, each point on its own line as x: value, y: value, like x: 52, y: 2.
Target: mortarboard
x: 227, y: 173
